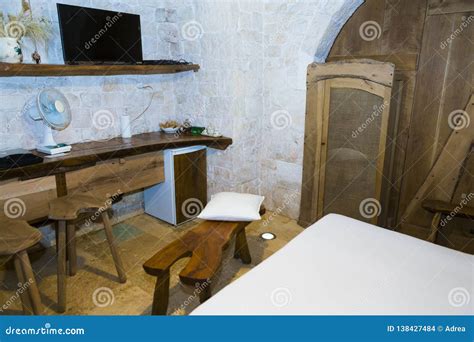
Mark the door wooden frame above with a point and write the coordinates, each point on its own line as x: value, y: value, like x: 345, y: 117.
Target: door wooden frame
x: 367, y: 75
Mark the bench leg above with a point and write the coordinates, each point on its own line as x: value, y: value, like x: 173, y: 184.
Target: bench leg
x: 71, y: 248
x: 242, y: 248
x: 24, y: 294
x: 236, y: 248
x: 161, y: 295
x: 434, y: 227
x: 205, y: 294
x: 61, y: 255
x: 113, y: 248
x: 35, y: 297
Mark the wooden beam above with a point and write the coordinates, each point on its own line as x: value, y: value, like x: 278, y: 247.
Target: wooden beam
x: 402, y: 61
x: 438, y: 7
x: 312, y: 154
x: 443, y: 177
x: 365, y: 69
x: 448, y: 208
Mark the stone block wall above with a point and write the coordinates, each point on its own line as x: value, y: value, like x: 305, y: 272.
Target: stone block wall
x: 251, y: 86
x: 254, y: 56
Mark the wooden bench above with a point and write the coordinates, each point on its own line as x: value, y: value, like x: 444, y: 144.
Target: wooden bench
x: 440, y: 209
x: 204, y: 244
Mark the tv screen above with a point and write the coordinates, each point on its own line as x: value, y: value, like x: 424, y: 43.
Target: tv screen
x: 97, y: 36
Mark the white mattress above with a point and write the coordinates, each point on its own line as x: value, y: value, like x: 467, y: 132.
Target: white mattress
x: 340, y: 266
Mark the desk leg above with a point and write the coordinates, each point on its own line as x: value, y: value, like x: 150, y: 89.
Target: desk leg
x: 161, y: 295
x: 61, y: 191
x: 61, y: 185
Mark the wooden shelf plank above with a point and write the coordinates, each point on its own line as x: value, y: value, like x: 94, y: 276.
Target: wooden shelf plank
x: 23, y: 70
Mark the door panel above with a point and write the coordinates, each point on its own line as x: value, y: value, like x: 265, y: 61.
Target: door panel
x: 190, y: 171
x: 354, y: 132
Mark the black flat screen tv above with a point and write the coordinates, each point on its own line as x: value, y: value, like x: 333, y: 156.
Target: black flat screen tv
x: 97, y: 36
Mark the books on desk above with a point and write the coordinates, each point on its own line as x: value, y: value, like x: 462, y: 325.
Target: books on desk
x: 56, y: 149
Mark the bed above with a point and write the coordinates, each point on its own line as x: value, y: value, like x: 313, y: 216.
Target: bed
x: 341, y: 266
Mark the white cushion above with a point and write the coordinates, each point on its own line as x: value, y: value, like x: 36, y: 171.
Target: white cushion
x: 232, y: 206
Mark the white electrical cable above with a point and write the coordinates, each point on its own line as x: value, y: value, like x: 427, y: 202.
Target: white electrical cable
x: 138, y: 116
x: 149, y: 104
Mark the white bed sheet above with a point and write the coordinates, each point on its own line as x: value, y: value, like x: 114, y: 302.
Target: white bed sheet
x: 341, y: 266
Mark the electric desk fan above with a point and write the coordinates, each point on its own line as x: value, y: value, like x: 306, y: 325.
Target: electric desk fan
x: 55, y: 112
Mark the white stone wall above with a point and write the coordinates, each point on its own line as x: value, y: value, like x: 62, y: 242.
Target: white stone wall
x: 253, y: 56
x: 97, y: 102
x: 252, y: 86
x: 296, y: 33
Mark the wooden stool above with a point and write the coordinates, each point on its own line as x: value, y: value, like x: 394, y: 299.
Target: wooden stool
x: 15, y: 238
x: 204, y: 244
x: 66, y: 210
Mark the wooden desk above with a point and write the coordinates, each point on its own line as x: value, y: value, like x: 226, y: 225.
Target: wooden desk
x: 88, y: 154
x: 96, y: 167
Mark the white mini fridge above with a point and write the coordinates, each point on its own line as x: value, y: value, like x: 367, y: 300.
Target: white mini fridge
x: 183, y: 194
